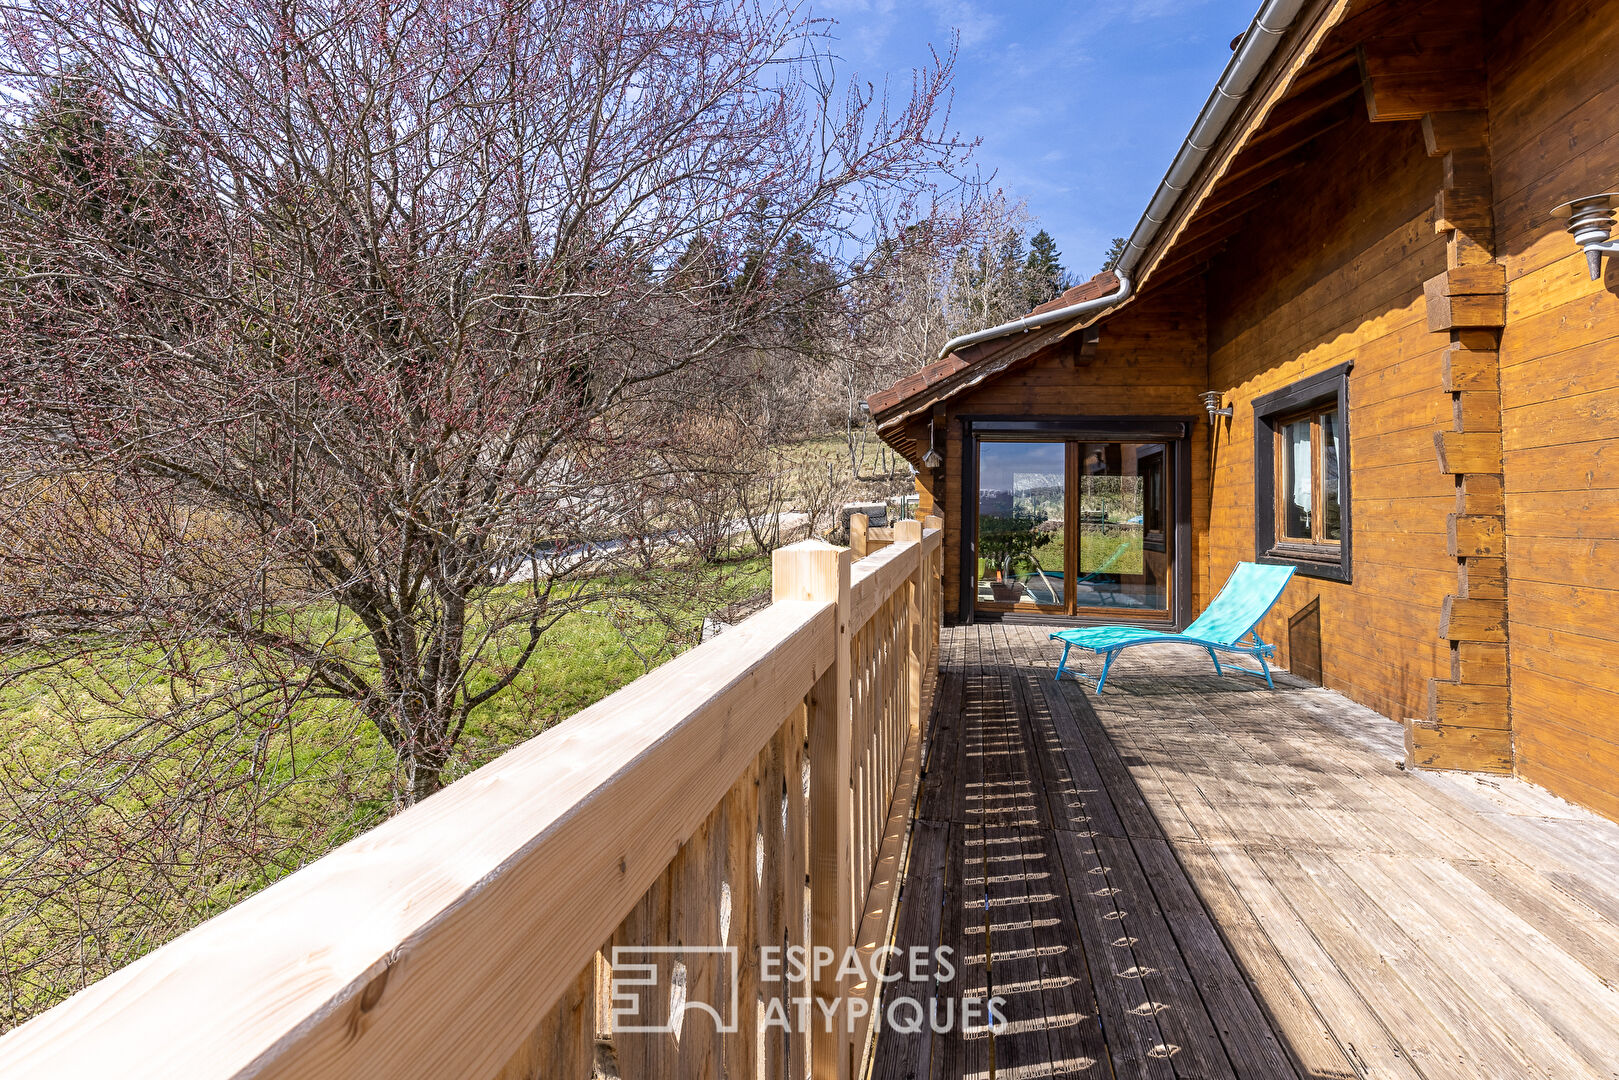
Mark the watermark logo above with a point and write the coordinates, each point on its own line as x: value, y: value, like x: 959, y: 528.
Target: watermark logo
x: 646, y: 975
x: 654, y: 990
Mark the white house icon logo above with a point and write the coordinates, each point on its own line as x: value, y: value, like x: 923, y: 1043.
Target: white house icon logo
x: 646, y: 976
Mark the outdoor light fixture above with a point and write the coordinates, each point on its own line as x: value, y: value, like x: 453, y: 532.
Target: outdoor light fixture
x: 1211, y: 402
x: 1590, y: 219
x: 931, y: 459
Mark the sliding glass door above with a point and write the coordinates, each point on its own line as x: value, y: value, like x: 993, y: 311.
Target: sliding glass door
x: 1075, y: 527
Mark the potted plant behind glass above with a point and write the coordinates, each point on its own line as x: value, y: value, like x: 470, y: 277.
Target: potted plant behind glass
x: 1007, y: 542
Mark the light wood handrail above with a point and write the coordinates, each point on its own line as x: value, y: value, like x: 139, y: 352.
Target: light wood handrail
x: 444, y: 942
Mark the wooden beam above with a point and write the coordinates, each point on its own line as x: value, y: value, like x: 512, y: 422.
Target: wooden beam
x: 1467, y: 706
x: 1460, y: 452
x: 1411, y: 96
x: 1476, y: 535
x: 1481, y: 493
x: 1415, y: 61
x: 1484, y: 578
x: 1424, y: 49
x: 1480, y: 662
x: 1451, y: 312
x: 1470, y: 297
x: 1480, y: 279
x: 1466, y: 369
x: 1478, y: 411
x: 1434, y: 746
x: 1464, y: 619
x: 1443, y: 132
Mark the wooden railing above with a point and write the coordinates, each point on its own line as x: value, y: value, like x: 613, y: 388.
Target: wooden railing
x: 864, y: 539
x: 752, y: 792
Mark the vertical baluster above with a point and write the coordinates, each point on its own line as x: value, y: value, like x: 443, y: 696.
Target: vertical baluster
x: 773, y: 909
x: 915, y: 654
x: 740, y: 875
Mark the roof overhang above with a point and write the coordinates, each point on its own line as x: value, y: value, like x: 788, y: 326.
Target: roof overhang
x: 1290, y: 91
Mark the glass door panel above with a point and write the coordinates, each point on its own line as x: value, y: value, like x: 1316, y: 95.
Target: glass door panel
x: 1123, y: 526
x: 1022, y: 515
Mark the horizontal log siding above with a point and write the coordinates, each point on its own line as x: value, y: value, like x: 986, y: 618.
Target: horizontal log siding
x: 1335, y: 273
x: 1554, y: 93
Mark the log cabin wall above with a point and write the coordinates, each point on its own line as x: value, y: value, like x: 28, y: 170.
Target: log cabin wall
x: 1413, y: 240
x: 1150, y: 359
x: 1332, y: 270
x: 1554, y: 131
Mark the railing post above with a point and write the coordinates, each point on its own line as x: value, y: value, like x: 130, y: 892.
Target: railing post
x: 859, y: 525
x: 935, y: 583
x: 912, y: 531
x: 813, y: 570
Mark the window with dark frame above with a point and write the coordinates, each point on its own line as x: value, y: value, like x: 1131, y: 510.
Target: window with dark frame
x: 1307, y: 506
x: 1301, y: 475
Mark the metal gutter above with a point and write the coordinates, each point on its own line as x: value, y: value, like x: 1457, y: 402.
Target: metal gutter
x: 1044, y: 318
x: 1258, y: 45
x: 1254, y: 51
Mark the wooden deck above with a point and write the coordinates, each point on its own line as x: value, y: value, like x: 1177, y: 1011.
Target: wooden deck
x: 1195, y: 877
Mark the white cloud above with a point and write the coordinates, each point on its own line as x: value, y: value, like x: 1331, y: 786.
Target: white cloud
x: 863, y: 26
x: 973, y: 23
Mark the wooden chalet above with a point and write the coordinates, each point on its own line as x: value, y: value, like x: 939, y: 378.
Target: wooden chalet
x: 1417, y: 375
x: 1187, y: 877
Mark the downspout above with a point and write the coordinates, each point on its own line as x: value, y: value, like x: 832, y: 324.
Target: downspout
x: 1254, y: 51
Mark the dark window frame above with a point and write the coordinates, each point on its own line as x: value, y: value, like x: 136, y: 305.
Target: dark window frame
x: 1329, y: 388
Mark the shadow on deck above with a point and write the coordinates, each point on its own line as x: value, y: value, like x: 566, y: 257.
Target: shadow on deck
x: 1196, y: 877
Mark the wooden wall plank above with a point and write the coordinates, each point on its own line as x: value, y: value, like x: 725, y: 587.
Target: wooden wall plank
x: 1280, y: 311
x: 1553, y: 95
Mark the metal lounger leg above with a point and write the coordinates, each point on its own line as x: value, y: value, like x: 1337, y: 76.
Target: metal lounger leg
x: 1105, y: 665
x: 1258, y: 651
x: 1216, y: 660
x: 1063, y: 662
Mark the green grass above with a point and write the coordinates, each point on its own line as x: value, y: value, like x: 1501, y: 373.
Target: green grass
x: 1094, y: 551
x: 1096, y: 548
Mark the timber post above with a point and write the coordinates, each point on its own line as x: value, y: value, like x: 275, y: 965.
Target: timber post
x: 911, y: 532
x: 1468, y: 722
x: 813, y: 570
x: 935, y: 617
x: 859, y: 526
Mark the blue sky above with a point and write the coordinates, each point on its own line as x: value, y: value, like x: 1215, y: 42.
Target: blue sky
x: 1081, y: 106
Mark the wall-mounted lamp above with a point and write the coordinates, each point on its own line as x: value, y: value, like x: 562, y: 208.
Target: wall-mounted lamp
x: 1211, y: 402
x: 931, y: 459
x: 1590, y: 219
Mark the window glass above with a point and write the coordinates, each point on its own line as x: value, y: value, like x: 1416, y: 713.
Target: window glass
x: 1295, y: 485
x: 1022, y: 496
x: 1121, y: 489
x: 1331, y: 518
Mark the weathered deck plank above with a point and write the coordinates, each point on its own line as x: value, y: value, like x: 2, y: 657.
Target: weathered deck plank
x: 1195, y: 877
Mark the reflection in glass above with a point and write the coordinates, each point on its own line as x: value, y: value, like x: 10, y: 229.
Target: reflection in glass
x: 1022, y: 499
x: 1123, y: 526
x: 1296, y: 480
x: 1331, y: 523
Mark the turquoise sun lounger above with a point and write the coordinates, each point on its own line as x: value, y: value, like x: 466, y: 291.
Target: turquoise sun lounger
x: 1249, y: 594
